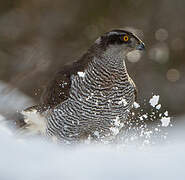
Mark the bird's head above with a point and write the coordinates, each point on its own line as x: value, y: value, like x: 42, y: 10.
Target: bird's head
x: 119, y: 41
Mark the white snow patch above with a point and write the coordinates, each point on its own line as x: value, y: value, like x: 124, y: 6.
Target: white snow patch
x: 114, y: 130
x: 165, y: 121
x: 145, y: 116
x: 166, y: 113
x: 154, y: 100
x: 158, y: 106
x: 96, y: 133
x: 117, y: 121
x: 81, y: 74
x: 123, y: 101
x: 136, y: 105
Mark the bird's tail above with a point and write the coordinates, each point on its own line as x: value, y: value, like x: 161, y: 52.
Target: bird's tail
x: 31, y: 122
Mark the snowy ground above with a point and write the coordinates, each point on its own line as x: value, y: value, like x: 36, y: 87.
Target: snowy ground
x: 11, y: 99
x: 36, y: 159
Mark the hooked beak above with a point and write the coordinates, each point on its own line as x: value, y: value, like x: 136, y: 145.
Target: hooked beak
x: 141, y: 46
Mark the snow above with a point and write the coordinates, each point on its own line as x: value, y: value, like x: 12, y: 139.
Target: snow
x: 158, y: 106
x: 117, y: 121
x: 12, y: 99
x: 144, y: 116
x: 154, y: 100
x: 166, y: 113
x: 81, y: 74
x: 165, y: 121
x: 114, y: 130
x: 136, y: 105
x: 96, y: 133
x: 1, y: 118
x: 123, y: 101
x: 3, y: 126
x: 35, y: 159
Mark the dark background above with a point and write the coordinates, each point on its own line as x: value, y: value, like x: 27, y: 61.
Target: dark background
x: 37, y: 37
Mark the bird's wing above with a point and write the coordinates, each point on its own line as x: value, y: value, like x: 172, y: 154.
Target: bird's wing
x: 58, y: 89
x: 32, y: 119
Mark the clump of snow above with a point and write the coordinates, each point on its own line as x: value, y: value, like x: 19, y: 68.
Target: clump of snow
x: 96, y: 133
x: 117, y: 121
x: 114, y: 130
x: 154, y: 100
x: 144, y: 116
x: 166, y: 113
x: 136, y: 105
x: 123, y: 101
x: 81, y: 74
x: 141, y: 121
x: 158, y: 106
x: 165, y: 121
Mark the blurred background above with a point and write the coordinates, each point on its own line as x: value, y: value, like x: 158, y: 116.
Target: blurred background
x: 37, y: 37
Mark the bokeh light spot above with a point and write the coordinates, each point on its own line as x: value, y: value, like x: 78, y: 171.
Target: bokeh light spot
x: 159, y: 53
x: 173, y: 75
x: 177, y: 44
x: 161, y: 34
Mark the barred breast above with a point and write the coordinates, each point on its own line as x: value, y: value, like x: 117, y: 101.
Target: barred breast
x: 99, y: 100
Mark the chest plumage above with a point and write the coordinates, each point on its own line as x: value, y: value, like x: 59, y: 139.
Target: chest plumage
x: 99, y: 100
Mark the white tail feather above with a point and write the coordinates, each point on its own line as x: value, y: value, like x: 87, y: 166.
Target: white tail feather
x: 35, y: 122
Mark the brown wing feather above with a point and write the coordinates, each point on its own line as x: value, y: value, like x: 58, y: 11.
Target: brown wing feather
x: 57, y: 90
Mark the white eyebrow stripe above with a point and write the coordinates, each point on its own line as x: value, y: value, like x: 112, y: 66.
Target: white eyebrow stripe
x: 113, y: 32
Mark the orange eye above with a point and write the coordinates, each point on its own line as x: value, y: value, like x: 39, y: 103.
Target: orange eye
x: 125, y: 38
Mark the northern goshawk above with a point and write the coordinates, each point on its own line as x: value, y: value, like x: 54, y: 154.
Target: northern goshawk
x: 90, y: 98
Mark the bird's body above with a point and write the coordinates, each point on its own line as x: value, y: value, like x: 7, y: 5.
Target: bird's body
x: 90, y: 98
